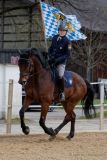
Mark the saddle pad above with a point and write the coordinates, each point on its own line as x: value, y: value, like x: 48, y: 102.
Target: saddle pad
x: 68, y: 79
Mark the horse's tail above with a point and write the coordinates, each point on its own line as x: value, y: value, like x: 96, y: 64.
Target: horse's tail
x: 87, y: 102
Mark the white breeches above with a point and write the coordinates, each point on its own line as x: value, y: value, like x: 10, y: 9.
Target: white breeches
x: 61, y: 70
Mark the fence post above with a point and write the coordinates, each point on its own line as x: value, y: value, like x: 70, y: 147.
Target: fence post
x: 101, y: 105
x: 9, y: 109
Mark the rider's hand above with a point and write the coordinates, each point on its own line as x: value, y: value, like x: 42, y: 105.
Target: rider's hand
x: 51, y: 61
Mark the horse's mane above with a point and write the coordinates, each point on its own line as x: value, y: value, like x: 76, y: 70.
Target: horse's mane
x: 23, y: 59
x: 42, y: 56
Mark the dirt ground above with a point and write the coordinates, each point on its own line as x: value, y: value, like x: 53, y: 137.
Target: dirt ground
x: 84, y: 146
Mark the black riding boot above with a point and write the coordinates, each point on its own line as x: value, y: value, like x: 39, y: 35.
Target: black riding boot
x: 61, y: 89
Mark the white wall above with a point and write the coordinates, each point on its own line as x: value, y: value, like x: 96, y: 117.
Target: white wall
x: 9, y: 72
x: 2, y: 91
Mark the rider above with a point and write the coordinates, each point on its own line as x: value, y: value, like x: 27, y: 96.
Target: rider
x: 59, y: 52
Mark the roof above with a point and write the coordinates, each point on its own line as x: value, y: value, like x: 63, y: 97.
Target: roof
x: 91, y: 14
x: 14, y: 6
x: 29, y: 1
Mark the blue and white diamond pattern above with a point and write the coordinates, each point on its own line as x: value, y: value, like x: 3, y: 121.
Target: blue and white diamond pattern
x: 51, y: 24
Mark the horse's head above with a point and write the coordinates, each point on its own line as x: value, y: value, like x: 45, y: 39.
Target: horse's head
x: 26, y: 68
x: 30, y: 64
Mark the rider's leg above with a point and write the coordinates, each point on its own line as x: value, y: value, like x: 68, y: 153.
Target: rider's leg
x: 61, y: 69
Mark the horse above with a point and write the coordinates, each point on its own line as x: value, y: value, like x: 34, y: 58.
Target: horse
x: 37, y: 80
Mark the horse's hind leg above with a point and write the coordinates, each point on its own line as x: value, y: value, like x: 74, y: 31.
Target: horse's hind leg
x: 65, y: 121
x: 26, y: 104
x: 70, y: 117
x: 72, y: 129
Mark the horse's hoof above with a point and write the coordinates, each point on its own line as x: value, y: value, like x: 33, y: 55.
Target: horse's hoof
x: 26, y: 130
x: 55, y: 131
x: 70, y: 136
x: 51, y: 132
x: 51, y: 138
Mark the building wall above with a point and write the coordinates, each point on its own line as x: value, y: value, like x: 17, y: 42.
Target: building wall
x: 10, y: 72
x: 99, y: 71
x: 21, y: 27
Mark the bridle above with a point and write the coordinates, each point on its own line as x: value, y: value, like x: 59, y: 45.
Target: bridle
x: 30, y: 73
x: 29, y: 67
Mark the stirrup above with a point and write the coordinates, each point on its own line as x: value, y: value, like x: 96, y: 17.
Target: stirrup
x: 62, y: 96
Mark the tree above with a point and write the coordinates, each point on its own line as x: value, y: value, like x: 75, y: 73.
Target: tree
x: 92, y: 51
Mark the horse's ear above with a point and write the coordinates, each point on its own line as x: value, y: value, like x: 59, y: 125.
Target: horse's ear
x: 45, y: 54
x: 29, y: 53
x: 20, y: 52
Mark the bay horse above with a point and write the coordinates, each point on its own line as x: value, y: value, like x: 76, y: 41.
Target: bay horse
x: 39, y: 87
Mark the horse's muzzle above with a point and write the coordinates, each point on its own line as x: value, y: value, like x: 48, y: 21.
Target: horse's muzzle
x: 23, y: 83
x: 20, y: 82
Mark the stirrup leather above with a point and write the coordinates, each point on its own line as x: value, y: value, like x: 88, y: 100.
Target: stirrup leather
x: 62, y: 96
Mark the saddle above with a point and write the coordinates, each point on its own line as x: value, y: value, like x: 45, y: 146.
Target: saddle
x: 67, y: 77
x: 43, y: 57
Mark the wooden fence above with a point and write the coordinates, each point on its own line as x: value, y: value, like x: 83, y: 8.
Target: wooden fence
x: 10, y: 96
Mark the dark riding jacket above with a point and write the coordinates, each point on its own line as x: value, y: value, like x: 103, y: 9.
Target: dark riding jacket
x: 59, y: 50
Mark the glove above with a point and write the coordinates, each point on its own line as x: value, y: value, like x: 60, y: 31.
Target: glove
x: 59, y: 60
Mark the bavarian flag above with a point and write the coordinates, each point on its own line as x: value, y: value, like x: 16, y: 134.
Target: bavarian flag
x: 53, y: 17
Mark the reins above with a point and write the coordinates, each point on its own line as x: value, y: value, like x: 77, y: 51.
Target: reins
x: 29, y: 74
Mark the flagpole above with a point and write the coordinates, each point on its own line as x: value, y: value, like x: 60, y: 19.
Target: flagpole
x: 46, y: 45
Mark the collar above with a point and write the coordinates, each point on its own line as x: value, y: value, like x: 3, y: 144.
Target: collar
x: 59, y: 38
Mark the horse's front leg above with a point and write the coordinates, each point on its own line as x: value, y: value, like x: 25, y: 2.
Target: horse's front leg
x: 27, y: 102
x: 42, y: 120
